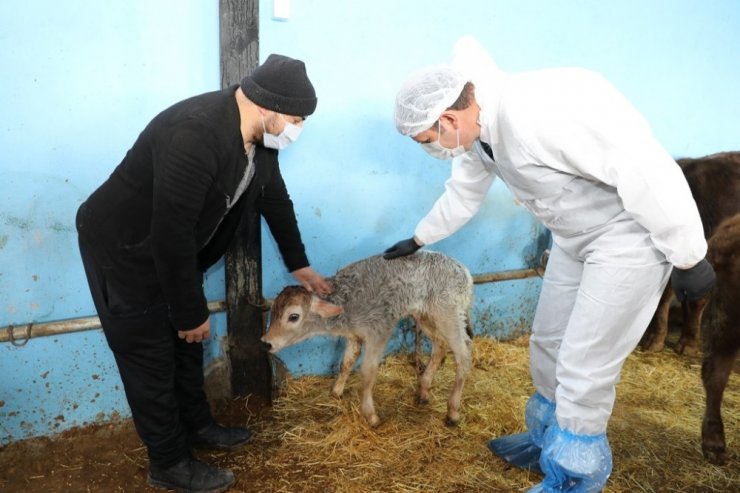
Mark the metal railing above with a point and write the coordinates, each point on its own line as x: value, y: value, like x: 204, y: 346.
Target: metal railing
x: 19, y: 335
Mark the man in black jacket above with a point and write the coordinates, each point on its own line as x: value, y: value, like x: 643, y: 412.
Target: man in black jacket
x: 166, y: 214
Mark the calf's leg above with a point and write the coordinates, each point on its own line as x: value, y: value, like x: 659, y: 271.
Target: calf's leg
x: 369, y: 372
x: 439, y: 348
x: 459, y: 343
x: 351, y: 353
x: 418, y: 363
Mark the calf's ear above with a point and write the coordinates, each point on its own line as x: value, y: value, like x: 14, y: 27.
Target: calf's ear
x: 324, y: 308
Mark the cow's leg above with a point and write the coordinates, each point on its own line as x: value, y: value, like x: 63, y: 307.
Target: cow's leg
x: 654, y: 338
x: 688, y: 344
x: 715, y: 372
x: 351, y: 353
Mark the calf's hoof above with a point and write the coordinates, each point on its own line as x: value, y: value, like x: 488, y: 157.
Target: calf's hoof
x: 373, y: 420
x: 422, y: 399
x: 452, y: 422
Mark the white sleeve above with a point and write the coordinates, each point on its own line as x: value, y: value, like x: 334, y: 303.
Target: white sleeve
x: 465, y: 191
x: 609, y: 141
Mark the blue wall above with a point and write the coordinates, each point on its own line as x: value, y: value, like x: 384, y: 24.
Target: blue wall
x: 81, y: 79
x: 363, y: 186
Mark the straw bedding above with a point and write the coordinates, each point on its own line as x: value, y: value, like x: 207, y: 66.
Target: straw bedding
x: 313, y: 442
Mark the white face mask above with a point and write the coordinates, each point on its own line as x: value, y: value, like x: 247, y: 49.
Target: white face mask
x: 289, y: 135
x: 437, y: 150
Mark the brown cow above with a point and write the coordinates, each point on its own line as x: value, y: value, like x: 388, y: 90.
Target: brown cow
x: 715, y: 184
x: 721, y: 334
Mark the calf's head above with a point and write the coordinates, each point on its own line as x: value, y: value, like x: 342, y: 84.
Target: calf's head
x: 294, y: 316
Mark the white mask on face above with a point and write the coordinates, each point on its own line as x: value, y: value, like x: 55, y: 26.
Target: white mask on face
x: 437, y: 150
x: 289, y: 135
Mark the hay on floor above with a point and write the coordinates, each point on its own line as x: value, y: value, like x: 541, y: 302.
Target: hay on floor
x: 313, y: 442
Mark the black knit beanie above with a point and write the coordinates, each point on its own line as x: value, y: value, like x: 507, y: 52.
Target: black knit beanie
x: 281, y: 85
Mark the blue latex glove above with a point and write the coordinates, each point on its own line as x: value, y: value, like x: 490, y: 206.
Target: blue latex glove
x: 523, y: 449
x: 574, y: 463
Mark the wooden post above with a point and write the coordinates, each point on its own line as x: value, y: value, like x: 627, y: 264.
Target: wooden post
x: 250, y: 366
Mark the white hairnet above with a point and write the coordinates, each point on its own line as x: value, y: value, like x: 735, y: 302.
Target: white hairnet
x: 425, y: 95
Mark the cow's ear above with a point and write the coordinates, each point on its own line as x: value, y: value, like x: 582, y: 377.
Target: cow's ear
x: 324, y: 308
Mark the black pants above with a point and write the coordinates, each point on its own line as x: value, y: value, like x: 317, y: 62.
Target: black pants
x: 162, y: 375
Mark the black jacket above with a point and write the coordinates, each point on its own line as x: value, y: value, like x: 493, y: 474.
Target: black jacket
x: 160, y: 220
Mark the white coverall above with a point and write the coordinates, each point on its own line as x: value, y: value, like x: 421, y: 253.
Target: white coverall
x: 573, y: 151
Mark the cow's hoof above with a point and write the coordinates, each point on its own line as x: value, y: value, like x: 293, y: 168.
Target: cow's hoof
x: 654, y: 347
x: 452, y: 422
x: 685, y: 348
x: 715, y: 455
x: 652, y: 342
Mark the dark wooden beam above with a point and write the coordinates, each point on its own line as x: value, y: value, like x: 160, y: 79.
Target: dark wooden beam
x: 250, y: 366
x: 239, y: 33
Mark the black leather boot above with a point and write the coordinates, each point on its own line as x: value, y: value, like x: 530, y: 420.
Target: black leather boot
x: 220, y: 437
x: 191, y: 476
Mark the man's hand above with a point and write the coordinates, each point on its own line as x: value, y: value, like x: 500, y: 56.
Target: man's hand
x: 692, y: 284
x: 312, y: 281
x: 402, y: 248
x: 197, y: 334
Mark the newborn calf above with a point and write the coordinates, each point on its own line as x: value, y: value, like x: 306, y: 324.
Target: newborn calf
x: 370, y: 297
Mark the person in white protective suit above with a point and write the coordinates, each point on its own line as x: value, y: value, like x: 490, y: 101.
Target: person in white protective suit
x: 575, y: 153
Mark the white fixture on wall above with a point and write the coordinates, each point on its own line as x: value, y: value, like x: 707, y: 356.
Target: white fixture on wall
x: 280, y: 10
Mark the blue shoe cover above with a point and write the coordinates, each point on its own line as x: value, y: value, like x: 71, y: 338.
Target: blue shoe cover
x: 523, y: 449
x: 517, y: 450
x: 574, y: 463
x: 538, y: 415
